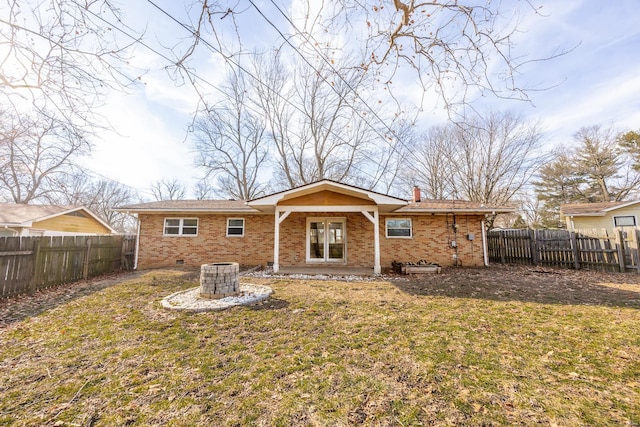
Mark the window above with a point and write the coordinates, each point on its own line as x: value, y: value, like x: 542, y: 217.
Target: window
x: 181, y: 226
x: 235, y: 227
x: 624, y: 221
x: 400, y: 228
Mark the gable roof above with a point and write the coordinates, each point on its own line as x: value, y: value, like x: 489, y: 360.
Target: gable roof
x: 593, y: 209
x: 271, y: 200
x: 21, y: 215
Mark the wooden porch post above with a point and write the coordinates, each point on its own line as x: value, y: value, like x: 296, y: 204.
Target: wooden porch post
x: 276, y: 237
x: 376, y: 243
x: 276, y: 242
x: 376, y: 238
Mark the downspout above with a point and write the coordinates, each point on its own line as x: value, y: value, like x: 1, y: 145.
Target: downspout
x: 484, y: 244
x: 135, y: 258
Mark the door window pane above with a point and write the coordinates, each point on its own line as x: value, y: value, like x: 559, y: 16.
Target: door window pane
x: 316, y: 243
x: 336, y: 240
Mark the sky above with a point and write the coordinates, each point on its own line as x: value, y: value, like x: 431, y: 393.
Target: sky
x: 596, y: 83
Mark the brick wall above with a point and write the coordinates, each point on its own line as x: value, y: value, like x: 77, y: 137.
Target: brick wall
x: 210, y: 245
x: 431, y: 241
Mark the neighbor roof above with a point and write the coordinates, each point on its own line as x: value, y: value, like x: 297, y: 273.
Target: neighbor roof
x: 21, y: 215
x: 593, y: 209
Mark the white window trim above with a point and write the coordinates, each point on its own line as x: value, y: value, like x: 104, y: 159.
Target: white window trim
x: 244, y: 223
x: 324, y: 219
x: 386, y: 228
x: 635, y: 220
x: 180, y: 227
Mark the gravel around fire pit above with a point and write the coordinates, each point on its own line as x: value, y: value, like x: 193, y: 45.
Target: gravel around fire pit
x: 189, y: 300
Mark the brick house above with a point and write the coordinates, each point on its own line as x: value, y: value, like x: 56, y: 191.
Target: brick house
x: 325, y: 223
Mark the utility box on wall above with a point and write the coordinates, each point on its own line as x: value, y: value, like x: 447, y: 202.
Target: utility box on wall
x: 471, y: 236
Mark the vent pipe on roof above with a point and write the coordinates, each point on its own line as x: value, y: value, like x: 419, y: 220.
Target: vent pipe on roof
x: 416, y: 193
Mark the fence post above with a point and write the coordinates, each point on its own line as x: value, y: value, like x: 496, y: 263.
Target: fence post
x: 636, y: 252
x: 85, y: 269
x: 532, y: 246
x: 35, y: 276
x: 575, y: 250
x: 620, y: 246
x: 503, y: 247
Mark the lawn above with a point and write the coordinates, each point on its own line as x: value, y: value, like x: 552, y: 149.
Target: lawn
x: 498, y: 346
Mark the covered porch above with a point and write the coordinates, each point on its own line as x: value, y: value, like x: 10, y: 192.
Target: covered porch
x: 327, y: 226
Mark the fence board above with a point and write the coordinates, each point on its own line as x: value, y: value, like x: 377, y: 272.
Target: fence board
x: 28, y: 264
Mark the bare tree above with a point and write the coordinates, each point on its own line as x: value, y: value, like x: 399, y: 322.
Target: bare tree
x: 320, y: 125
x: 494, y: 157
x: 36, y: 154
x: 457, y: 51
x: 488, y: 159
x: 100, y: 196
x: 168, y: 189
x: 204, y: 190
x: 230, y: 143
x: 430, y: 165
x: 60, y: 58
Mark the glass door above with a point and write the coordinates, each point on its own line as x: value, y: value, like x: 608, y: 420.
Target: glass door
x: 325, y: 239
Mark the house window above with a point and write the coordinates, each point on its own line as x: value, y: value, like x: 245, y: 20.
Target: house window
x: 624, y: 221
x: 399, y: 228
x: 235, y: 227
x: 181, y: 226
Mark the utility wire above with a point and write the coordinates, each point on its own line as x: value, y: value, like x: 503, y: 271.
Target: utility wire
x: 324, y: 59
x: 228, y: 59
x: 286, y: 100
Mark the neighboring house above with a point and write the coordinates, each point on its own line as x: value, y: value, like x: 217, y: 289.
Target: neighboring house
x: 49, y: 220
x: 321, y: 224
x: 597, y: 217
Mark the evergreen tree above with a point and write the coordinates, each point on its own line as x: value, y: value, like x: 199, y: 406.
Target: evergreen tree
x: 559, y: 182
x: 630, y: 144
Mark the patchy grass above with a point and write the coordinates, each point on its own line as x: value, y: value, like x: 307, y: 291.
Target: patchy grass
x: 452, y: 349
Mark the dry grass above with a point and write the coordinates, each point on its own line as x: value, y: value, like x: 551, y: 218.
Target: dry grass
x: 468, y: 347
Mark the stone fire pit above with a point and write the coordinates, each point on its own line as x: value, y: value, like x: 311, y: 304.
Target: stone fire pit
x: 219, y: 288
x: 219, y: 280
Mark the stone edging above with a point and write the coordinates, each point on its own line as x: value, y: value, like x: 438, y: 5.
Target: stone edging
x: 189, y: 300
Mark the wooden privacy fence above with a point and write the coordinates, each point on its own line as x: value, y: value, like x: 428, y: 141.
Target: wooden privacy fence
x: 28, y: 264
x: 567, y: 249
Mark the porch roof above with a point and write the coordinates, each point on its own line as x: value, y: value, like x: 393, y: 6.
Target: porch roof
x: 384, y: 202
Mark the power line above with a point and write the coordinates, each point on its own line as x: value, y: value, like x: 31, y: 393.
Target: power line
x: 286, y: 100
x: 229, y: 59
x: 324, y: 58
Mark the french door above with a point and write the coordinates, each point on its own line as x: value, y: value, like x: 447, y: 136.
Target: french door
x: 326, y: 240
